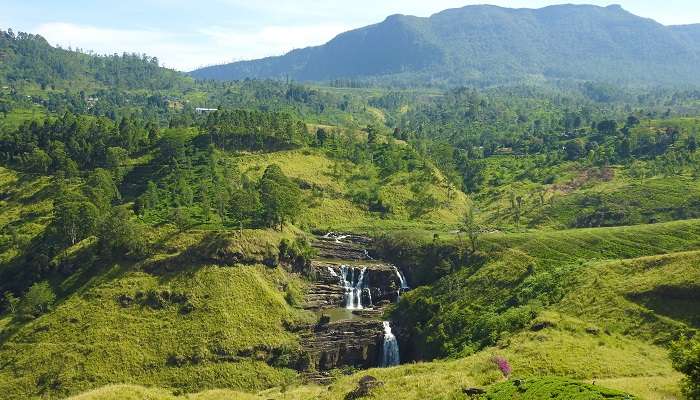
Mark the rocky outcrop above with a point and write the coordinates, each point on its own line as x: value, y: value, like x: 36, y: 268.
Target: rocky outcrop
x: 356, y: 343
x: 345, y: 276
x: 381, y: 281
x: 364, y: 388
x: 342, y: 247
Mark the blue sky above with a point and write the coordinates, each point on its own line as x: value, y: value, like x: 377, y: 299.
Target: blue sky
x: 189, y: 34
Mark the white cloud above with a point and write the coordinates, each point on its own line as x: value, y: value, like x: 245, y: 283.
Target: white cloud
x: 186, y: 51
x: 270, y: 40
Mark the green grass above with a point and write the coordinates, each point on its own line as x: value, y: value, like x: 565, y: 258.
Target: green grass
x: 530, y: 272
x: 25, y: 209
x: 90, y: 340
x: 624, y: 202
x: 17, y: 116
x: 564, y: 350
x: 334, y: 209
x: 654, y: 298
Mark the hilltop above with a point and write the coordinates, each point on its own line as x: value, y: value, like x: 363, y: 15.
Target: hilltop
x: 486, y: 45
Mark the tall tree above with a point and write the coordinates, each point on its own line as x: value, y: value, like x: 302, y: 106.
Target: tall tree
x: 281, y: 198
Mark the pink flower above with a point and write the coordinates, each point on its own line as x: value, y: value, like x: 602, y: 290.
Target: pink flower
x: 502, y: 365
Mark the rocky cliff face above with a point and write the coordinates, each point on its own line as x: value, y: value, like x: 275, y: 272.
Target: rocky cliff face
x: 355, y: 343
x: 381, y: 284
x: 344, y: 263
x: 343, y: 247
x: 345, y: 276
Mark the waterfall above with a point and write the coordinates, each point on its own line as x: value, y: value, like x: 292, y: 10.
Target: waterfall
x: 332, y: 272
x: 390, y: 349
x: 365, y: 287
x: 402, y: 279
x: 353, y: 286
x: 339, y: 239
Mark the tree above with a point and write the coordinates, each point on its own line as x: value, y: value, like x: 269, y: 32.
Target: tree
x: 471, y: 227
x: 75, y: 218
x: 244, y: 206
x: 119, y: 233
x: 181, y: 218
x: 321, y: 137
x: 115, y: 161
x: 685, y: 355
x: 101, y: 189
x: 38, y: 161
x: 38, y: 300
x: 574, y: 150
x: 281, y: 198
x: 632, y: 121
x: 607, y: 127
x: 473, y: 173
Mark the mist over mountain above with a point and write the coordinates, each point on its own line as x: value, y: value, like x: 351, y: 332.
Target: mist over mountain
x: 489, y: 45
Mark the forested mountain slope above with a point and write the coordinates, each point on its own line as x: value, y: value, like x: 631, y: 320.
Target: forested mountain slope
x: 530, y: 238
x: 487, y: 44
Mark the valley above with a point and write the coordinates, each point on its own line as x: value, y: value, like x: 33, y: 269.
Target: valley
x: 486, y: 203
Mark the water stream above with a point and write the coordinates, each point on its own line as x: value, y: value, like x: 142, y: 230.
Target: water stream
x: 390, y: 348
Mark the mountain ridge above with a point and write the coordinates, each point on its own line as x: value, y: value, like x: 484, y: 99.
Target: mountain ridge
x: 486, y: 44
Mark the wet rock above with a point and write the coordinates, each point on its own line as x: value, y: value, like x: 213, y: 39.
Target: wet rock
x: 381, y: 284
x: 332, y: 250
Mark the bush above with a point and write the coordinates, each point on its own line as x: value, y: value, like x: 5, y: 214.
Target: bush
x: 38, y: 300
x: 685, y: 355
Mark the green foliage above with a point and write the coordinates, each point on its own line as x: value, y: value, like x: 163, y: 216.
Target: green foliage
x: 281, y: 198
x: 120, y: 234
x: 540, y: 388
x: 37, y: 301
x: 479, y: 305
x: 686, y: 359
x: 254, y: 130
x: 30, y: 57
x: 556, y: 43
x: 75, y: 218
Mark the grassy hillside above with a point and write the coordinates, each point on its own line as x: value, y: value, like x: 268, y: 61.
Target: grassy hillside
x: 525, y: 274
x: 332, y: 186
x: 190, y: 316
x: 207, y: 328
x: 598, y: 322
x: 564, y: 349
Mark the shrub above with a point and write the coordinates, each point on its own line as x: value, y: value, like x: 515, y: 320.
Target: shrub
x: 38, y: 300
x: 503, y: 365
x: 685, y: 355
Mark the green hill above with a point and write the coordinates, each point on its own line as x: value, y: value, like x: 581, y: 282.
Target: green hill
x: 483, y: 45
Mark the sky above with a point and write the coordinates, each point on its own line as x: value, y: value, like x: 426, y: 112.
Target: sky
x: 186, y: 34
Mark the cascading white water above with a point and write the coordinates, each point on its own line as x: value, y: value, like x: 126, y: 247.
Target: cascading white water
x: 402, y: 279
x: 402, y: 282
x: 390, y: 349
x: 353, y: 287
x: 339, y: 239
